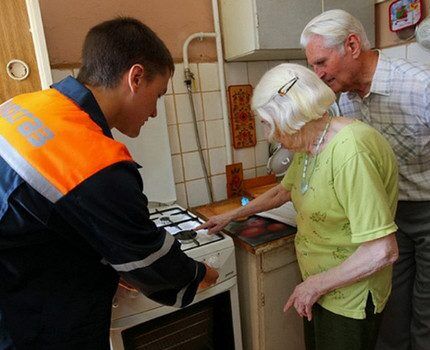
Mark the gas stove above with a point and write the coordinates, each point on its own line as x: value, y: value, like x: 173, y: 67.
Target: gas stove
x: 180, y: 223
x: 215, y: 250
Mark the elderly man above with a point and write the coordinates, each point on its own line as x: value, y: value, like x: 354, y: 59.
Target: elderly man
x: 393, y: 95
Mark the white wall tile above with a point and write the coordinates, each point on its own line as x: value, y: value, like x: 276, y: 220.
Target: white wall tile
x: 169, y: 103
x: 169, y: 87
x: 416, y: 53
x: 272, y: 64
x: 178, y: 173
x: 197, y: 193
x: 212, y: 105
x: 60, y: 74
x: 236, y: 73
x: 255, y: 71
x: 215, y: 133
x: 259, y: 129
x: 246, y: 156
x: 178, y: 79
x: 303, y: 63
x: 183, y: 108
x: 192, y: 165
x: 219, y: 187
x: 396, y: 51
x: 209, y: 80
x: 187, y: 136
x: 217, y: 160
x: 249, y: 173
x: 261, y: 171
x: 181, y: 195
x: 174, y: 139
x: 261, y: 153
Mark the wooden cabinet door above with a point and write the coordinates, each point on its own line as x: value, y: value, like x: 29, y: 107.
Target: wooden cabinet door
x: 280, y: 275
x: 16, y: 43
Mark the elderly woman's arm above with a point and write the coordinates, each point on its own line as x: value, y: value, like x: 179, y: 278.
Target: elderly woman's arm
x: 369, y: 258
x: 270, y: 199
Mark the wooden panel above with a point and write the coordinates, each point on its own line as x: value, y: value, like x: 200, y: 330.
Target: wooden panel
x: 241, y: 117
x: 278, y: 257
x: 281, y: 330
x: 16, y: 43
x: 234, y: 173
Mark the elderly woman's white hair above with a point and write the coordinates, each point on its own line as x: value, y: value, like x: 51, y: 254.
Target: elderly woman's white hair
x: 308, y: 99
x: 334, y: 26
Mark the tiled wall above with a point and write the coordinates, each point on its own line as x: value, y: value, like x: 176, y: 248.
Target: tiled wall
x: 410, y: 51
x: 190, y: 186
x: 188, y: 174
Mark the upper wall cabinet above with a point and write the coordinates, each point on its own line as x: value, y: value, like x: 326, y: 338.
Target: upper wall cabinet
x: 270, y: 29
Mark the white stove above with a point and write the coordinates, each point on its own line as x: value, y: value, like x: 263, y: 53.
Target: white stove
x: 131, y: 308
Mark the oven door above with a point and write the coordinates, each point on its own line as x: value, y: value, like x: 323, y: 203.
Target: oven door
x: 212, y: 321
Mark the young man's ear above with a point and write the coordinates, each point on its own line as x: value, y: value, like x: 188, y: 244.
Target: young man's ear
x: 353, y: 45
x: 136, y: 77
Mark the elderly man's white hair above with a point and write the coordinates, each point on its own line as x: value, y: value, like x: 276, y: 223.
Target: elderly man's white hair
x: 308, y: 99
x: 334, y: 26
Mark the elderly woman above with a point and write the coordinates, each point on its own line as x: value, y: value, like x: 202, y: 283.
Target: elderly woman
x: 343, y: 184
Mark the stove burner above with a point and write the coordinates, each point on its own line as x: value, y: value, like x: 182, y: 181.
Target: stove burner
x: 187, y: 236
x: 176, y: 220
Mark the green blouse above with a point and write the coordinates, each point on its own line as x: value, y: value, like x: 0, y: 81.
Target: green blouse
x: 352, y: 198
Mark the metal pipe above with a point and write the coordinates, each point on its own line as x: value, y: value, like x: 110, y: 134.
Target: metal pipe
x: 188, y: 78
x: 220, y: 59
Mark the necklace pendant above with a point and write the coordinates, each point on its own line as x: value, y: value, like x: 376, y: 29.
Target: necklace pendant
x: 304, y: 187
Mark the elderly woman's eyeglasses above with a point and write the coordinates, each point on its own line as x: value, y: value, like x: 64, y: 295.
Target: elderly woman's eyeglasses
x: 287, y: 86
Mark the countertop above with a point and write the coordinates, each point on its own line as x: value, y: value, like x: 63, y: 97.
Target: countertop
x: 247, y: 233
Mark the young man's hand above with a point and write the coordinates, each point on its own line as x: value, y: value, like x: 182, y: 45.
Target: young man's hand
x: 210, y: 278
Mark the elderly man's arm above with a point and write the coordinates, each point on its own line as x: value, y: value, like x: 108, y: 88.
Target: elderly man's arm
x: 270, y: 199
x: 369, y: 258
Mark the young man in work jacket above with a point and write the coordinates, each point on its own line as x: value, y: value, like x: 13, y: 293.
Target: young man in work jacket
x: 72, y: 213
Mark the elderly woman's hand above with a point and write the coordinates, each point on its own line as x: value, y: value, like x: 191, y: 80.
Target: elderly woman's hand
x: 304, y: 297
x: 215, y: 223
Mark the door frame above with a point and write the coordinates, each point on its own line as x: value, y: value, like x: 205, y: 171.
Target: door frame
x: 38, y: 34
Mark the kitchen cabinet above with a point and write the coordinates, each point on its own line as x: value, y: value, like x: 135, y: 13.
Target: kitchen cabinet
x: 270, y: 29
x: 267, y: 274
x: 24, y: 62
x: 266, y: 278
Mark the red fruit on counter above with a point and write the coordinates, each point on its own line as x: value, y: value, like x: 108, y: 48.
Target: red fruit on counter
x: 275, y: 227
x: 251, y: 232
x: 258, y: 222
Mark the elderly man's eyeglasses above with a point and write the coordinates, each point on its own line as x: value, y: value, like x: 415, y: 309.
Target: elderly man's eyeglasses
x: 287, y: 86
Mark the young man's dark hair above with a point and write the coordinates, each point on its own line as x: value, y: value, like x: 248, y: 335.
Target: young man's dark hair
x: 112, y: 47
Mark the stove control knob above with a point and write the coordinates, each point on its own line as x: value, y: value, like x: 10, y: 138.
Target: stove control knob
x: 214, y: 262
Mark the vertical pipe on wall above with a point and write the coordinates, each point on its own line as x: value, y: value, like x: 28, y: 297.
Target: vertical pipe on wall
x: 220, y: 60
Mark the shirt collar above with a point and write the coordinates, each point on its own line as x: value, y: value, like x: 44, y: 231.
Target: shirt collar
x: 83, y: 97
x: 382, y: 76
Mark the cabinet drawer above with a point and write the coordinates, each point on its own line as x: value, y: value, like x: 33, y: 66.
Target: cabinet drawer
x: 278, y: 257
